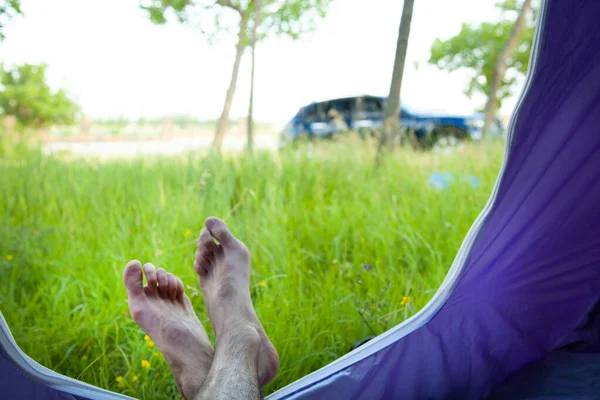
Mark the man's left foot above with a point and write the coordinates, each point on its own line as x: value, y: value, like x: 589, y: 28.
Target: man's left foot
x: 165, y: 313
x: 224, y: 271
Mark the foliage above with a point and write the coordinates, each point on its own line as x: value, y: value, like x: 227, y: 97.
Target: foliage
x: 8, y: 10
x: 25, y: 94
x: 477, y: 47
x: 337, y: 244
x: 290, y: 18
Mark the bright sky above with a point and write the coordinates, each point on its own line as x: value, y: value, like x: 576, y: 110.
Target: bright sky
x: 114, y: 62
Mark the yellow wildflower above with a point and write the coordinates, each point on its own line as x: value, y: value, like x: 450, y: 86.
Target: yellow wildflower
x: 145, y: 363
x: 146, y: 338
x: 263, y: 284
x: 405, y: 300
x: 188, y: 232
x: 9, y: 257
x: 135, y: 378
x: 150, y: 343
x: 120, y: 381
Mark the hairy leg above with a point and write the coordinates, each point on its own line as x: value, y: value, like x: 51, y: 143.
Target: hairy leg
x: 234, y: 371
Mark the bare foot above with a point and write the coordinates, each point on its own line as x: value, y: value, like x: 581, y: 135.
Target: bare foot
x: 224, y: 271
x: 165, y: 313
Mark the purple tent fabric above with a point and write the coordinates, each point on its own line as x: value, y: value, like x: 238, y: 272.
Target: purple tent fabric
x: 532, y: 276
x: 15, y: 385
x: 23, y: 378
x: 527, y: 278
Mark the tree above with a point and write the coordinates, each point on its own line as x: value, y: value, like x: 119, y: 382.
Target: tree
x: 257, y: 6
x: 477, y: 48
x: 26, y: 96
x: 290, y: 18
x: 8, y: 10
x: 491, y: 106
x: 391, y: 114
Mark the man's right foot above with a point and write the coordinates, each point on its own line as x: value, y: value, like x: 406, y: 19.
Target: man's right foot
x: 224, y: 270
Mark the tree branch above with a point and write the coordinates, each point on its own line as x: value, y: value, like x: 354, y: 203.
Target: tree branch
x: 229, y: 4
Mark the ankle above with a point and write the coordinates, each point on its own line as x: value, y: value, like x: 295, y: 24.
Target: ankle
x: 240, y: 339
x: 190, y: 386
x: 190, y: 376
x: 235, y: 323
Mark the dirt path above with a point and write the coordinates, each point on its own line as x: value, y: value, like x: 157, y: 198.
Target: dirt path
x: 176, y: 145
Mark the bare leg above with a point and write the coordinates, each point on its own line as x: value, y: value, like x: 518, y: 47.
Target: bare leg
x: 245, y: 358
x: 234, y: 371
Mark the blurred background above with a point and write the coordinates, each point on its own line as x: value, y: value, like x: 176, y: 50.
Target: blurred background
x: 131, y: 77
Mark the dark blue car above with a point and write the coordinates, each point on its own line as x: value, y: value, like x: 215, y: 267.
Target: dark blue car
x: 365, y: 114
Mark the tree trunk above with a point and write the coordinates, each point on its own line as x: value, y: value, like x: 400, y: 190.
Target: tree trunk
x: 391, y: 115
x: 251, y: 105
x: 491, y: 107
x: 223, y: 122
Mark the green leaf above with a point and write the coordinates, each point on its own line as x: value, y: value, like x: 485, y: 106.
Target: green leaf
x: 26, y: 95
x: 476, y: 48
x: 8, y: 10
x: 291, y: 18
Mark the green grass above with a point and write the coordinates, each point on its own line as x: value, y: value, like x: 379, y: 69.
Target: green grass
x: 311, y: 219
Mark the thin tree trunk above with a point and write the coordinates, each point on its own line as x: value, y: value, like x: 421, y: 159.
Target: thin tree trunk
x: 251, y: 105
x: 223, y: 122
x: 391, y: 116
x: 491, y: 107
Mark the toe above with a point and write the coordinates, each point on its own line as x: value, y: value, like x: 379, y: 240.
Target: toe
x: 172, y: 285
x: 133, y: 278
x: 203, y: 258
x: 206, y: 241
x: 201, y: 267
x: 219, y: 230
x: 227, y: 242
x: 180, y: 290
x: 163, y: 282
x: 151, y: 280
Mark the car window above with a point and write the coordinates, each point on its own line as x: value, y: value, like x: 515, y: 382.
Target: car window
x: 314, y: 112
x: 341, y: 106
x: 322, y: 111
x: 310, y: 113
x: 367, y: 108
x: 372, y: 104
